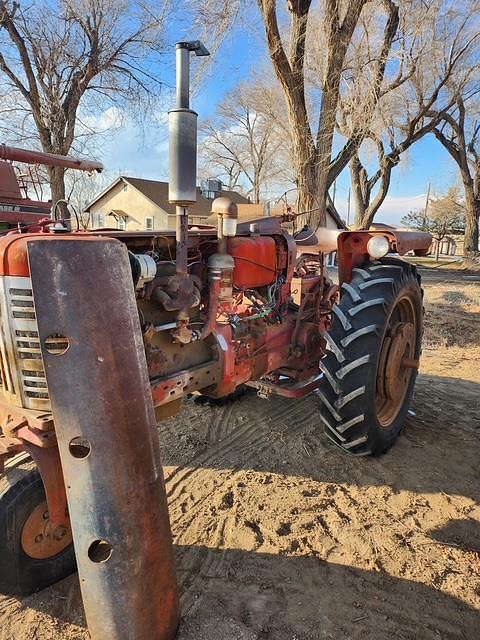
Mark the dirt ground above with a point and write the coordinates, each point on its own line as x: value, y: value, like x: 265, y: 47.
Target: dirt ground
x: 281, y: 536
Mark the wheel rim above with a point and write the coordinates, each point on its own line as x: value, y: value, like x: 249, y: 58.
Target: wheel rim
x: 397, y: 362
x: 38, y: 541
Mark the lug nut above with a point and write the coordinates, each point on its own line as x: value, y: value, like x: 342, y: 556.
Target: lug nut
x: 60, y: 532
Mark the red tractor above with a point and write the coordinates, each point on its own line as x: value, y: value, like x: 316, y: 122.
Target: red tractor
x: 210, y: 309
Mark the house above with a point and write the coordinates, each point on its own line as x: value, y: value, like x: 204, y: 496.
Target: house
x: 135, y: 204
x: 449, y: 246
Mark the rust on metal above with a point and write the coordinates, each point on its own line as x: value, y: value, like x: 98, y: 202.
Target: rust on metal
x: 410, y: 364
x: 352, y: 247
x: 48, y: 463
x: 105, y: 425
x: 36, y: 419
x: 175, y: 386
x: 49, y: 159
x: 38, y: 539
x: 397, y: 362
x: 287, y: 390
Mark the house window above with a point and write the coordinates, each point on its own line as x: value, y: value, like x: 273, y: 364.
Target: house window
x: 98, y: 220
x: 149, y: 223
x: 125, y: 186
x: 121, y: 223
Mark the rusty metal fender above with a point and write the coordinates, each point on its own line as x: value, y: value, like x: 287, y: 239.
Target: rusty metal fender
x: 352, y: 247
x: 102, y: 407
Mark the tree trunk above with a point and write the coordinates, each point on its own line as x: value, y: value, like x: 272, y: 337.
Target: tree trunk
x: 256, y: 192
x: 327, y: 122
x: 357, y: 191
x: 305, y: 163
x: 57, y: 187
x: 472, y: 213
x: 306, y: 198
x: 324, y: 145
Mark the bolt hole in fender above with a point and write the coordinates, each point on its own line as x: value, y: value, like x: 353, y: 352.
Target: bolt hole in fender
x: 100, y: 551
x: 372, y: 359
x: 32, y: 556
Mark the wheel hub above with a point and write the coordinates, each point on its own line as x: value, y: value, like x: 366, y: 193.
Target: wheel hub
x: 38, y: 540
x: 396, y: 362
x: 401, y: 347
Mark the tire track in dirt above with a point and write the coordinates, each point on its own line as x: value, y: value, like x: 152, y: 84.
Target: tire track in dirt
x: 7, y: 603
x: 211, y: 476
x: 248, y: 439
x: 194, y: 566
x: 205, y: 477
x: 241, y: 442
x: 217, y: 429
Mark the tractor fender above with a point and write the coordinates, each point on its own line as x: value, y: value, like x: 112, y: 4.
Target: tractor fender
x: 353, y: 251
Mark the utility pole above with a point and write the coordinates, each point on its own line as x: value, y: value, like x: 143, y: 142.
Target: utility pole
x: 348, y: 206
x: 427, y: 202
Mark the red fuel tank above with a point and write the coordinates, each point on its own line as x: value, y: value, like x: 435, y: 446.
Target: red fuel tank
x: 255, y: 261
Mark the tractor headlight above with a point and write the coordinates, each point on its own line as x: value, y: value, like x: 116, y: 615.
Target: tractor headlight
x: 378, y: 246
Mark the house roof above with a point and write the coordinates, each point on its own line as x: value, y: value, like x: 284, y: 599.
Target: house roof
x: 378, y: 226
x: 157, y: 192
x: 120, y: 213
x: 332, y: 211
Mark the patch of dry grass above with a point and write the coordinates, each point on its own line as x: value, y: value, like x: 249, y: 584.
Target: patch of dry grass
x: 466, y: 265
x: 452, y: 315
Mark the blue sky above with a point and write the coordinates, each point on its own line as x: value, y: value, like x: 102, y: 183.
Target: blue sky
x: 125, y: 152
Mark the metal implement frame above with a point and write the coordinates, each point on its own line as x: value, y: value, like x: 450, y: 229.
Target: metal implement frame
x: 105, y: 427
x: 50, y: 159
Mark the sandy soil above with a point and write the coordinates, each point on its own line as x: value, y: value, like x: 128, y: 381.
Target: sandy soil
x: 281, y: 536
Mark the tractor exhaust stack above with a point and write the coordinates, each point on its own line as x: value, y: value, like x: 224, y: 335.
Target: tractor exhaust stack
x: 182, y: 123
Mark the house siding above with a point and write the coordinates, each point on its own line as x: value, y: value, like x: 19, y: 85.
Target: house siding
x: 134, y: 204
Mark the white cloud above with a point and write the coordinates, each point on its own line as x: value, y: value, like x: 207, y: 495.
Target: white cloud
x: 125, y: 149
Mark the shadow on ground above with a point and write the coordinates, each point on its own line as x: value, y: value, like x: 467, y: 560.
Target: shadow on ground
x: 282, y: 598
x: 463, y: 534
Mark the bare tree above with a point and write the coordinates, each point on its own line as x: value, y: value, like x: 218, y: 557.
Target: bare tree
x: 64, y: 57
x: 243, y: 141
x: 80, y: 189
x: 443, y: 217
x: 316, y: 166
x: 312, y: 130
x: 439, y: 43
x: 459, y: 133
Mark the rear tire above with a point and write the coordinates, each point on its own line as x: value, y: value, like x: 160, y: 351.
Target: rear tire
x: 21, y: 495
x: 373, y: 348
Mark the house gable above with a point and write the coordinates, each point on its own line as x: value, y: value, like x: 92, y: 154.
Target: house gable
x: 123, y: 196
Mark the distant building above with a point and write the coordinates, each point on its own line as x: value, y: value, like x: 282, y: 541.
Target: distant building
x: 248, y: 212
x: 449, y: 246
x: 135, y: 204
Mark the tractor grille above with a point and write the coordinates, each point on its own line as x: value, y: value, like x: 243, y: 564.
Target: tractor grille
x: 27, y: 344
